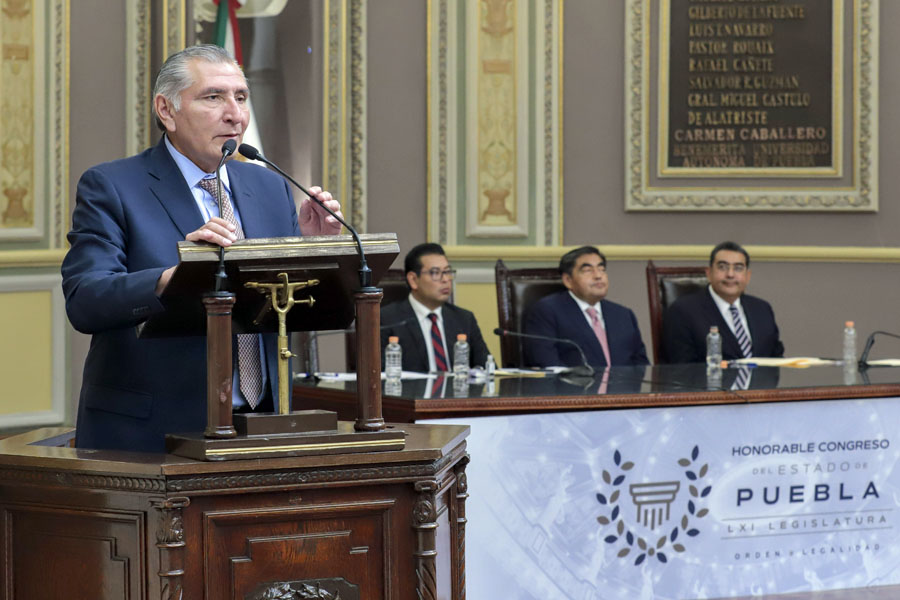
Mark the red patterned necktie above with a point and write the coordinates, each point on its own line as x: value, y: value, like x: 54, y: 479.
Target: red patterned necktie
x: 437, y: 343
x: 437, y: 388
x: 249, y: 365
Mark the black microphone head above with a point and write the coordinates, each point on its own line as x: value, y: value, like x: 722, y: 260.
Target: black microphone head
x: 498, y: 331
x: 228, y: 147
x: 249, y: 151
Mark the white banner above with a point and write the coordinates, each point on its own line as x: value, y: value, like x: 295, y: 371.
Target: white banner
x: 683, y: 503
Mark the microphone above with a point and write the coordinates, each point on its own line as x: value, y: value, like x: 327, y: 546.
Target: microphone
x: 870, y: 341
x: 365, y: 273
x: 227, y: 150
x: 583, y: 370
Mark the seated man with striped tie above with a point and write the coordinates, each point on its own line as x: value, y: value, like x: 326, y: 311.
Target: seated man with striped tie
x: 607, y: 332
x: 746, y: 323
x: 426, y: 323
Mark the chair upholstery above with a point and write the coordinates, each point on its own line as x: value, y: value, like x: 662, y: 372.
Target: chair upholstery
x: 664, y: 286
x: 517, y: 290
x: 393, y: 285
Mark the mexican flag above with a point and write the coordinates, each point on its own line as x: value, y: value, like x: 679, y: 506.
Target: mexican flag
x: 228, y: 35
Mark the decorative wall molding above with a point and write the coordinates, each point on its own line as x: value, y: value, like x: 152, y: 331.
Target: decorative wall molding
x: 31, y: 258
x: 138, y: 50
x: 344, y: 131
x: 854, y: 191
x: 34, y: 149
x: 58, y: 166
x: 57, y: 369
x: 494, y: 132
x: 174, y: 34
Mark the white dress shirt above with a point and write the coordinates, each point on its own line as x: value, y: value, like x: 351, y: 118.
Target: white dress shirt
x: 584, y: 306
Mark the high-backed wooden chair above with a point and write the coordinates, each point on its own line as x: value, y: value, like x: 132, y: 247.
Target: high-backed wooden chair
x: 393, y: 285
x: 517, y: 290
x: 664, y: 286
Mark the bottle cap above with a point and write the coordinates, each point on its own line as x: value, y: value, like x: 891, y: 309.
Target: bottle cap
x: 848, y: 324
x: 394, y: 339
x: 460, y: 337
x: 714, y: 329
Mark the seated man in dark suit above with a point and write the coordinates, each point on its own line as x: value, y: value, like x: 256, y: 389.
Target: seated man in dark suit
x: 746, y: 323
x: 607, y: 332
x: 426, y: 315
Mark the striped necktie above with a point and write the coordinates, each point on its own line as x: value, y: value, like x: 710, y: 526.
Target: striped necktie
x: 249, y: 364
x: 739, y: 332
x: 742, y: 379
x: 437, y: 344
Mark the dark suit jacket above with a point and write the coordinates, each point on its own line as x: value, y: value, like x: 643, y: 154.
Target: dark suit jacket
x: 399, y: 319
x: 688, y: 320
x: 128, y: 216
x: 558, y: 316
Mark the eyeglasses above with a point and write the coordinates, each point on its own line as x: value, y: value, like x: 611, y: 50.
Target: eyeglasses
x: 437, y: 274
x: 724, y: 267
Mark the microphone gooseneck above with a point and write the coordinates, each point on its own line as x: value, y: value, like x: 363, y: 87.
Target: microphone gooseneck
x: 227, y: 150
x: 365, y: 273
x: 585, y: 369
x: 870, y: 341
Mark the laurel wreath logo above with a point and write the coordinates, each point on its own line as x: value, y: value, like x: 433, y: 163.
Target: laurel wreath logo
x: 626, y: 538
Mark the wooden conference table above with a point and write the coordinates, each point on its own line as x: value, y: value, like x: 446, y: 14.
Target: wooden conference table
x: 625, y: 387
x: 548, y: 408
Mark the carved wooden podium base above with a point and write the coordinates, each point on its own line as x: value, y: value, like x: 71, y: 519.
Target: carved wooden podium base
x: 111, y: 525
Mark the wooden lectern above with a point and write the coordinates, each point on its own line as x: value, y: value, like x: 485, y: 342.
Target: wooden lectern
x: 278, y: 284
x: 342, y: 515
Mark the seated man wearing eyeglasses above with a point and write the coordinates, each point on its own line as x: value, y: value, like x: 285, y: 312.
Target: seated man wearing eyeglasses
x: 580, y: 316
x: 746, y: 323
x: 426, y: 323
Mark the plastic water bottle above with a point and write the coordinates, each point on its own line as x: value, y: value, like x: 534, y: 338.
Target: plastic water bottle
x: 461, y: 356
x: 393, y: 359
x: 849, y: 354
x: 490, y: 366
x: 713, y: 348
x: 393, y: 387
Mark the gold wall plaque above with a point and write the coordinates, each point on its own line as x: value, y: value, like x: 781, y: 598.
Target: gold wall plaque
x: 733, y: 112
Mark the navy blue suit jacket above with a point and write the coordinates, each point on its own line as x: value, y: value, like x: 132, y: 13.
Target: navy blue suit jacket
x: 688, y: 320
x: 399, y: 318
x: 558, y: 316
x: 128, y: 217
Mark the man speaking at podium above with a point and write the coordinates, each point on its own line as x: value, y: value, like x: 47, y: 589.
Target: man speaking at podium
x: 129, y: 216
